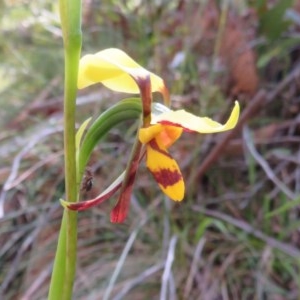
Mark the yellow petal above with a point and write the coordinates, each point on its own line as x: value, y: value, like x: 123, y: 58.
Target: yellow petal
x: 116, y: 70
x: 94, y: 69
x: 149, y: 133
x: 165, y: 170
x: 166, y: 134
x: 169, y: 135
x: 190, y: 122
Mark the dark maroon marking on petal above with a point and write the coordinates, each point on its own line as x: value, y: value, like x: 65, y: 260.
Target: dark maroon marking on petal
x: 166, y: 177
x: 175, y: 125
x: 153, y: 144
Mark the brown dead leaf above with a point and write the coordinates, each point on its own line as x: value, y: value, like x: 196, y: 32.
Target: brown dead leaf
x: 238, y: 57
x: 297, y: 6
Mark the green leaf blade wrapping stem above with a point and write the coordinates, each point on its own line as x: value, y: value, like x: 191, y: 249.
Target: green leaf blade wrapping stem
x: 127, y: 109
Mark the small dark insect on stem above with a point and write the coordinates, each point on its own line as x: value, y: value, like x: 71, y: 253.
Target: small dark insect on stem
x: 87, y: 181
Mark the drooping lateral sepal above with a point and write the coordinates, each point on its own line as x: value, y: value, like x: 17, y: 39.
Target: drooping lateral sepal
x: 108, y: 193
x: 120, y: 211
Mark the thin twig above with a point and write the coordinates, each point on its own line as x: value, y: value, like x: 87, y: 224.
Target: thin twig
x: 37, y: 283
x: 17, y: 161
x: 168, y: 269
x: 38, y: 101
x: 34, y: 168
x: 246, y: 227
x: 41, y: 222
x: 172, y: 287
x: 263, y: 163
x: 287, y: 180
x: 166, y: 226
x: 134, y: 282
x: 194, y: 267
x: 121, y: 260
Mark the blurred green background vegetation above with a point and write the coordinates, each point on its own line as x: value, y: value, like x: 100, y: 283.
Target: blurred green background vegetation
x: 236, y: 234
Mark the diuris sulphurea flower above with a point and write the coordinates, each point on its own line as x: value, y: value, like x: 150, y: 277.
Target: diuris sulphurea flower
x: 117, y: 71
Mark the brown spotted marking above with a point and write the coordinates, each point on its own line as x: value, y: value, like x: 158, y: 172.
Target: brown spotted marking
x: 166, y: 177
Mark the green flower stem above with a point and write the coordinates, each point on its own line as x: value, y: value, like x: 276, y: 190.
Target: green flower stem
x: 64, y: 269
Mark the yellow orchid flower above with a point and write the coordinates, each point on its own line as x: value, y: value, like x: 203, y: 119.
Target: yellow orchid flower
x: 164, y: 130
x: 117, y: 71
